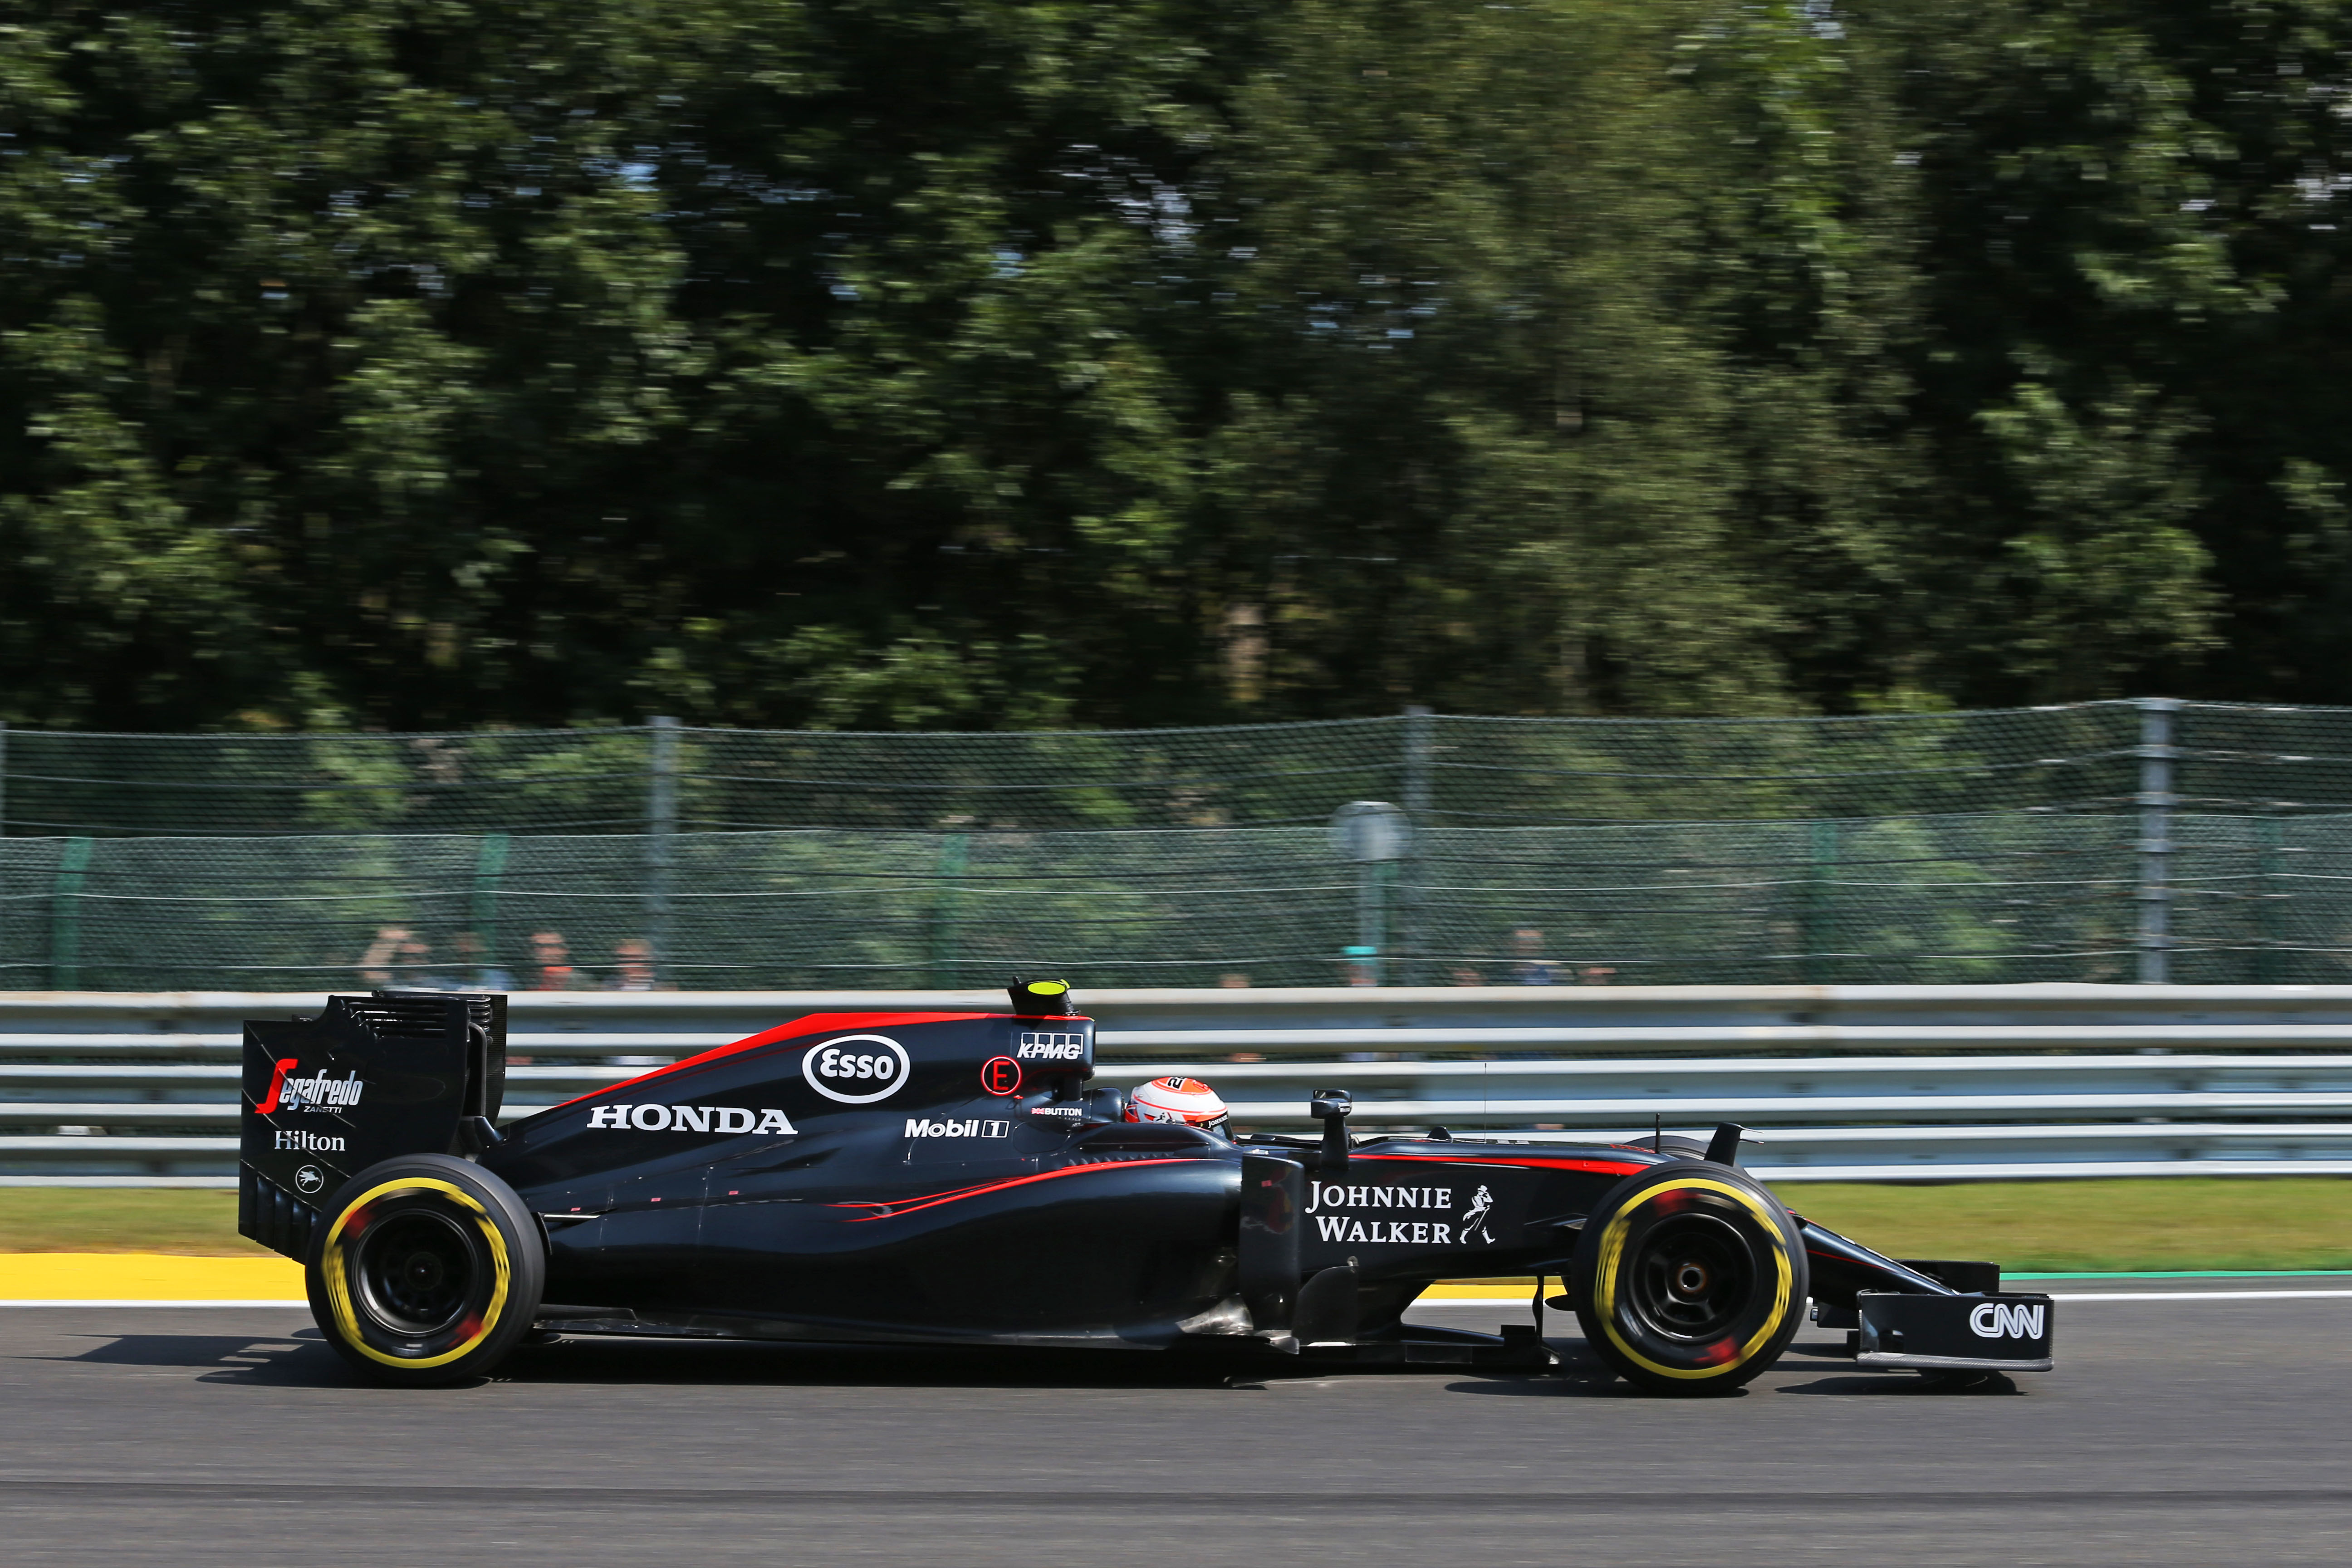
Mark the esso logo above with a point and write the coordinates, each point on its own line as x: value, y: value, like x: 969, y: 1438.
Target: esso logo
x: 856, y: 1069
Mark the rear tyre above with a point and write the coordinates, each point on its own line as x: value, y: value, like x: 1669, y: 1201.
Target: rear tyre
x: 1690, y: 1277
x: 425, y: 1270
x: 1672, y: 1147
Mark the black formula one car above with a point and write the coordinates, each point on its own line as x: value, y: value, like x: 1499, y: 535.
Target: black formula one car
x: 950, y: 1178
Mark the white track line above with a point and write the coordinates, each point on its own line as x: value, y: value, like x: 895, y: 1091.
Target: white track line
x: 304, y: 1305
x: 2055, y: 1295
x: 2196, y: 1295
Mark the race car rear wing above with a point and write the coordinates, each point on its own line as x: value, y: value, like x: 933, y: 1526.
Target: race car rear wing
x: 393, y: 1072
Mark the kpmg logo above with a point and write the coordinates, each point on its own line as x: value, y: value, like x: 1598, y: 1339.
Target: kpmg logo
x: 317, y: 1092
x: 1043, y: 1046
x: 856, y: 1069
x: 689, y: 1118
x: 2006, y: 1321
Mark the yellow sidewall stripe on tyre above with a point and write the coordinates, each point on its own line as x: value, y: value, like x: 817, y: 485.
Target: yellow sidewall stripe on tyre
x: 338, y: 1295
x: 1613, y: 1247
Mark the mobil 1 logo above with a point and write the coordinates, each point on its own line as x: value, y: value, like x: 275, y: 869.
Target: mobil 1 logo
x: 956, y: 1127
x: 856, y: 1069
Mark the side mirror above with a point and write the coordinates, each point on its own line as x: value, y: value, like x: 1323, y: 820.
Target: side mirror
x: 1331, y: 1107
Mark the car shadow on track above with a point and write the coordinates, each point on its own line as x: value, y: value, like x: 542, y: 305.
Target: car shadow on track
x: 617, y: 1359
x: 1826, y: 1355
x: 682, y: 1361
x: 301, y: 1360
x: 298, y: 1360
x: 1984, y: 1383
x: 1582, y: 1376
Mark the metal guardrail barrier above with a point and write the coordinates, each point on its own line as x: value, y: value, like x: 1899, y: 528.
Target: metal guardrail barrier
x: 1866, y: 1082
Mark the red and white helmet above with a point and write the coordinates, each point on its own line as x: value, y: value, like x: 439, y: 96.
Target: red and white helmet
x: 1185, y: 1099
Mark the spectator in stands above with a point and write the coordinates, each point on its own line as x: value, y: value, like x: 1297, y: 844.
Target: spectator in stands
x: 633, y: 964
x: 375, y: 964
x: 1531, y: 967
x: 413, y: 966
x: 550, y: 963
x: 475, y: 970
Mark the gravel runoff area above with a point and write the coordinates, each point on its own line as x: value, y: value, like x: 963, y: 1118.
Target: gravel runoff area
x: 2200, y: 1427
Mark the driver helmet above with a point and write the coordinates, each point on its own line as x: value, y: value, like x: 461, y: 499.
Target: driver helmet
x: 1185, y: 1099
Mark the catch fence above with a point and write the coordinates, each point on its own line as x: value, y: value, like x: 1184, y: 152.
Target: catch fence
x: 2117, y: 841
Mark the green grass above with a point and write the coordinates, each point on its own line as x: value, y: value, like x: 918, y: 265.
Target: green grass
x: 2166, y: 1222
x: 121, y: 1219
x: 2109, y: 1226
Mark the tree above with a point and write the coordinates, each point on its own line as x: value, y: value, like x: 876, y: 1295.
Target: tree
x: 421, y: 363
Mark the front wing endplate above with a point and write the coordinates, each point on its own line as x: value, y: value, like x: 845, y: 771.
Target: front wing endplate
x: 1935, y: 1333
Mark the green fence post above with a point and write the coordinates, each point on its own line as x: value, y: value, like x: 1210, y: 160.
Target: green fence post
x: 1413, y: 936
x: 3, y: 834
x: 1813, y: 925
x: 954, y: 848
x: 65, y: 917
x: 489, y: 865
x: 2156, y: 800
x: 2268, y: 916
x: 661, y: 830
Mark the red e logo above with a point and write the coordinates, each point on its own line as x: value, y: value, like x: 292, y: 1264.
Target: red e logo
x: 1001, y: 1076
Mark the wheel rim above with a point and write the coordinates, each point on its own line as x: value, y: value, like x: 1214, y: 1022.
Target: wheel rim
x: 1692, y: 1279
x: 416, y: 1272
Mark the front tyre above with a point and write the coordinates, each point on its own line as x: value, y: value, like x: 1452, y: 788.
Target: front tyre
x: 425, y: 1270
x: 1690, y: 1277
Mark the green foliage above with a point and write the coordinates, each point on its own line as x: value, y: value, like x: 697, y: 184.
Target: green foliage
x: 1025, y: 364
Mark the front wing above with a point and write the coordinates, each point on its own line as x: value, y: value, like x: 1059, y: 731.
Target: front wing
x: 1986, y: 1333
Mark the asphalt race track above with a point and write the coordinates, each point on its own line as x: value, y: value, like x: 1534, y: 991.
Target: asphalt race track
x: 2174, y: 1432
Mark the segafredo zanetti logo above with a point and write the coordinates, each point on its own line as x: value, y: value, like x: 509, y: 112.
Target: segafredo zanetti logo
x: 856, y: 1069
x: 317, y: 1092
